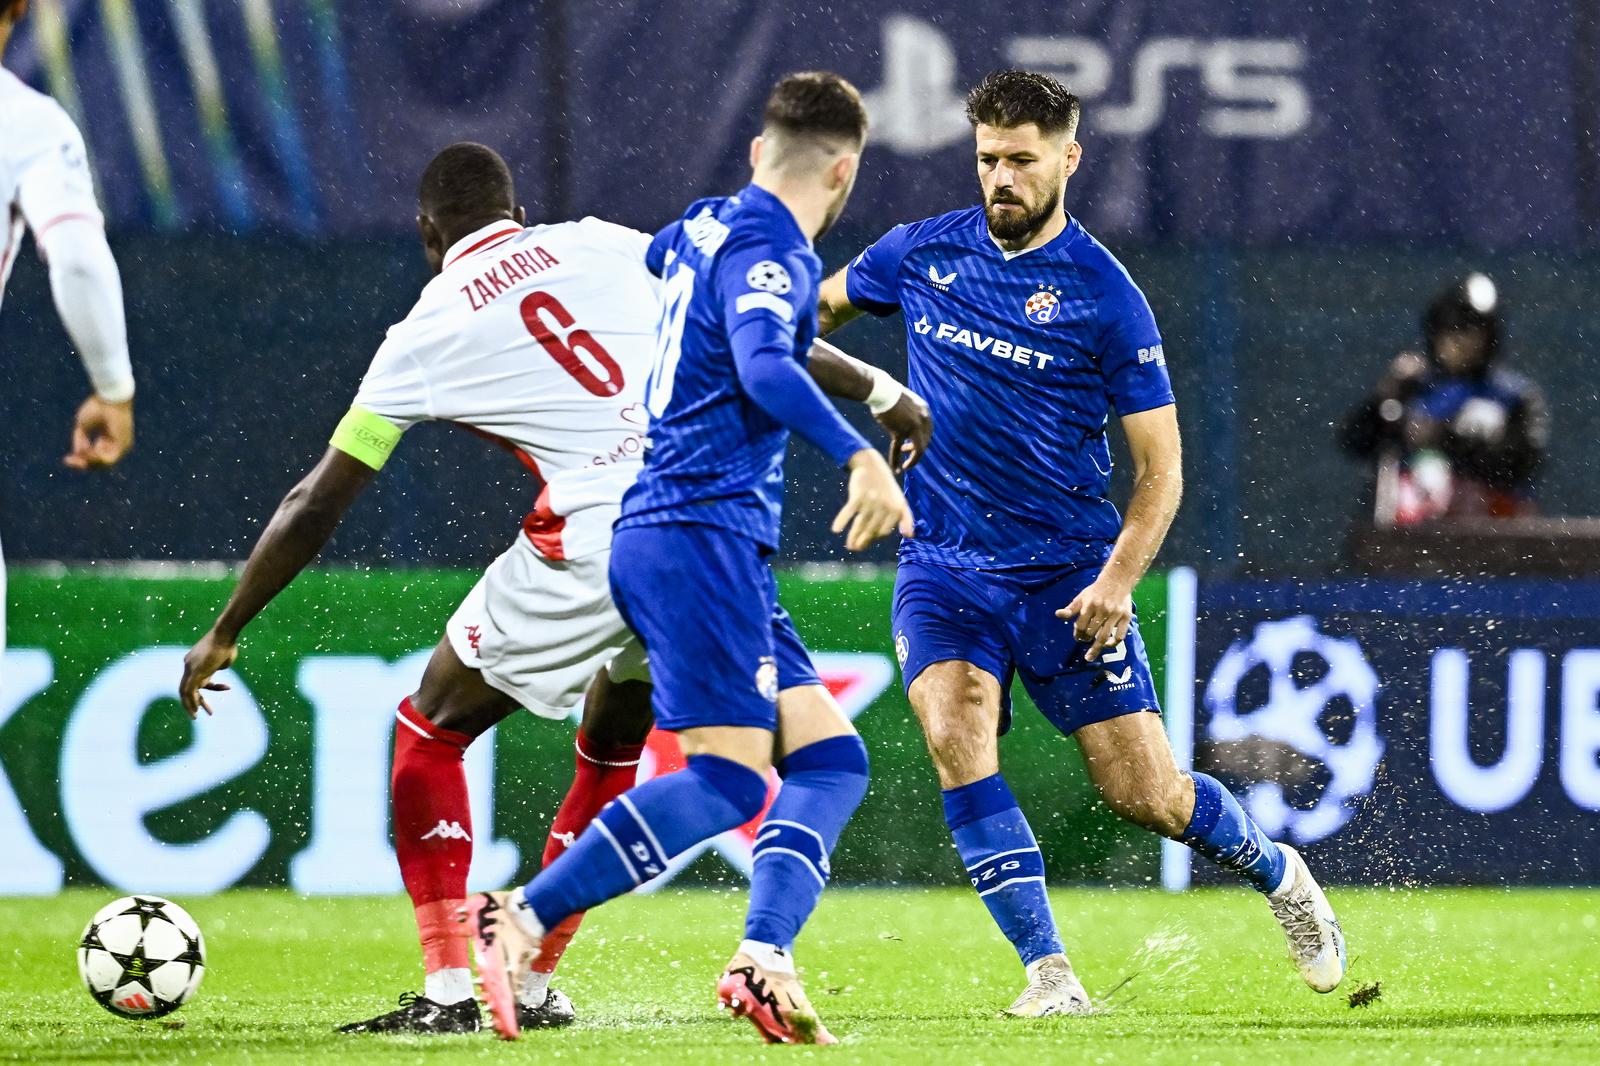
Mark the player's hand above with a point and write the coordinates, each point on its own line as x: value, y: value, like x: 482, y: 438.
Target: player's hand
x: 1101, y: 615
x: 910, y: 427
x: 876, y: 507
x: 205, y: 659
x: 101, y: 434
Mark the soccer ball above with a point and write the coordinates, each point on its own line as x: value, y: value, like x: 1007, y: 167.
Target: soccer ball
x: 142, y: 957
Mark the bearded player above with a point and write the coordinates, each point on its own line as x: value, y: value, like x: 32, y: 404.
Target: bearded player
x: 691, y: 572
x: 45, y: 188
x: 1026, y: 334
x: 541, y: 338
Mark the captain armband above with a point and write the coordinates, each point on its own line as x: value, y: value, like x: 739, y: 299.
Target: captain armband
x: 366, y: 437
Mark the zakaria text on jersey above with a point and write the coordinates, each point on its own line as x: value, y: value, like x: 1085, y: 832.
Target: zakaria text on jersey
x: 506, y: 273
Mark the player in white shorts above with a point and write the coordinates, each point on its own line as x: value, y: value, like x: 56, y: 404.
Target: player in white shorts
x: 45, y: 187
x: 540, y: 338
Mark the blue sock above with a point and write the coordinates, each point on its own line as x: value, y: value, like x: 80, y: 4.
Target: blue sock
x: 1002, y: 859
x: 823, y: 784
x: 1221, y: 831
x: 636, y: 834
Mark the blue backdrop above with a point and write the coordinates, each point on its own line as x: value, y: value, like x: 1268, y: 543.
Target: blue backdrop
x: 1260, y: 122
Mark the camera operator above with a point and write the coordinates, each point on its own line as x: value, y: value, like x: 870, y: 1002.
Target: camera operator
x: 1451, y: 433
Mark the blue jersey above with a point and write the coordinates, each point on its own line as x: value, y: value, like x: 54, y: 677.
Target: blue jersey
x: 1022, y: 357
x: 739, y: 313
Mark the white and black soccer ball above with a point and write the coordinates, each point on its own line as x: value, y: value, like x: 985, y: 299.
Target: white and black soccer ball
x: 142, y: 957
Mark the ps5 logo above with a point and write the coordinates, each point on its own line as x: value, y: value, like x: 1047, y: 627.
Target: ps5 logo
x: 1253, y: 88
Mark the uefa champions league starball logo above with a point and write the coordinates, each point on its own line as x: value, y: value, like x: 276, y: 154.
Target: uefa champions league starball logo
x: 1320, y: 708
x: 1043, y: 306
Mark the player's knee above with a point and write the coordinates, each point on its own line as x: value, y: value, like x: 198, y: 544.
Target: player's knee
x: 845, y: 754
x: 958, y: 749
x: 743, y: 788
x: 617, y: 712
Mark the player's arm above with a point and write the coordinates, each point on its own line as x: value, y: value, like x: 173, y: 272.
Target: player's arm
x: 56, y: 197
x: 834, y: 308
x: 1104, y: 611
x: 763, y: 353
x: 898, y: 410
x: 299, y: 530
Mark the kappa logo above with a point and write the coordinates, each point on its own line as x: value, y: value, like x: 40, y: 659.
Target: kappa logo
x: 447, y: 831
x: 940, y: 283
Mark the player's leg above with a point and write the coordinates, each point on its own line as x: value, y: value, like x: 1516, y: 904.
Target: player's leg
x: 433, y: 835
x: 1130, y: 761
x: 616, y: 721
x: 953, y: 666
x: 686, y: 591
x: 823, y: 766
x: 632, y: 840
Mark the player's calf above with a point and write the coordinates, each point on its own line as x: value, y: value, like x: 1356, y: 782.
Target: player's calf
x: 1004, y: 864
x: 823, y: 784
x: 433, y: 842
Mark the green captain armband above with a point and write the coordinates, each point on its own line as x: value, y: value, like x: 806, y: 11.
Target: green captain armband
x: 366, y: 437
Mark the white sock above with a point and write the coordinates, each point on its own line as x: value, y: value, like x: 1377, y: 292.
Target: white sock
x: 535, y: 988
x: 769, y: 957
x: 449, y: 985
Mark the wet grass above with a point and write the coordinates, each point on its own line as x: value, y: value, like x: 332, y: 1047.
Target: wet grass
x: 903, y: 976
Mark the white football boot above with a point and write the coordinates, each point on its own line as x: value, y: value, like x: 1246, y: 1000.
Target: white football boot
x: 1052, y: 989
x: 1315, y: 940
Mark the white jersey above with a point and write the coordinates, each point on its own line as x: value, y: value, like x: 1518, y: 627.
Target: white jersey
x: 540, y: 338
x: 44, y: 171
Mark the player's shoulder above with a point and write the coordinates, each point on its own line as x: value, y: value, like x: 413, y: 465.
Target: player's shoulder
x: 964, y: 225
x: 889, y: 254
x: 1099, y: 266
x: 608, y: 236
x: 30, y: 115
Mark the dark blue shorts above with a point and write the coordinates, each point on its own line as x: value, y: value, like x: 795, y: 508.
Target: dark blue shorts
x: 1003, y: 621
x: 705, y: 605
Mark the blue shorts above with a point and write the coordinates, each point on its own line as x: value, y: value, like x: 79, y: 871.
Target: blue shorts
x: 1003, y: 621
x: 705, y: 605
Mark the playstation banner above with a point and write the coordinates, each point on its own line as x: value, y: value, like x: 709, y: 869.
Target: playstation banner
x: 1408, y: 732
x: 1439, y: 121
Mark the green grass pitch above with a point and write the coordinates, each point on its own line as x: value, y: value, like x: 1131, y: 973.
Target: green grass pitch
x: 902, y: 975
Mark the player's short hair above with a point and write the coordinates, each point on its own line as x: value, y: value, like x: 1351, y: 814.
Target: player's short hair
x: 1008, y: 98
x: 466, y: 182
x: 816, y: 105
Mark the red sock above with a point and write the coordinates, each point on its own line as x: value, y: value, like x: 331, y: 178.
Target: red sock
x: 602, y: 775
x: 432, y: 832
